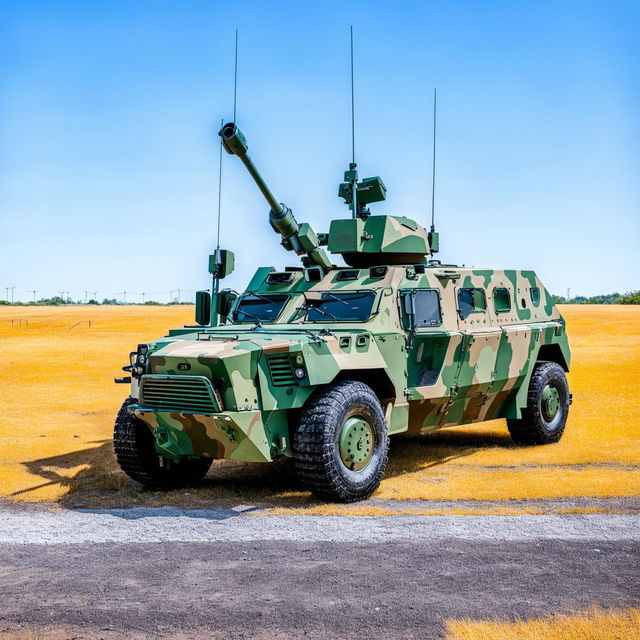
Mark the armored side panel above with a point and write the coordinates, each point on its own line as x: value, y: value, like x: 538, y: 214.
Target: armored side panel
x: 378, y: 240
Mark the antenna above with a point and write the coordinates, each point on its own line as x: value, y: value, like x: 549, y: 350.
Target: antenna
x: 220, y: 183
x: 433, y: 174
x: 353, y: 109
x: 434, y: 238
x: 351, y: 176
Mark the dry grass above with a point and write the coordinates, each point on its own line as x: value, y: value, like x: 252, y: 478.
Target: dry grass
x: 58, y: 403
x: 594, y: 624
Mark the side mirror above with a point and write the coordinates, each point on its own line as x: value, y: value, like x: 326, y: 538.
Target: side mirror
x: 203, y: 307
x: 226, y: 300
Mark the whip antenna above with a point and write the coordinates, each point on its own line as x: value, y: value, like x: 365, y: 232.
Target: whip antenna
x: 353, y: 109
x: 351, y: 176
x: 433, y: 174
x: 434, y: 238
x: 219, y: 191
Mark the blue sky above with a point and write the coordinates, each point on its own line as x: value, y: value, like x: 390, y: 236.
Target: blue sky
x: 109, y: 110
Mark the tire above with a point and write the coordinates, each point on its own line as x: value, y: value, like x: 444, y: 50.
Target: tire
x: 545, y: 416
x: 137, y: 456
x: 342, y: 422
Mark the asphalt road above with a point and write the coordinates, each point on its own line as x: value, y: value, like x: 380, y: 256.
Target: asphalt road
x: 302, y: 577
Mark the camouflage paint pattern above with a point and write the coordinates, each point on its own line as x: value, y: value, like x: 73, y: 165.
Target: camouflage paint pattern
x: 465, y: 370
x: 390, y: 239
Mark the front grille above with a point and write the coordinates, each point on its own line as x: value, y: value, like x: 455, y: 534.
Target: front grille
x: 281, y: 369
x: 193, y: 394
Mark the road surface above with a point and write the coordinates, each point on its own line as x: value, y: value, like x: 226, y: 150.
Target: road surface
x: 234, y: 573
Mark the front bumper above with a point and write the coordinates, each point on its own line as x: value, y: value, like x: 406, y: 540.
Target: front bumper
x: 234, y: 435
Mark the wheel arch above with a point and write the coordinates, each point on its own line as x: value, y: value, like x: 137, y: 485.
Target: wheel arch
x: 377, y: 379
x: 553, y: 353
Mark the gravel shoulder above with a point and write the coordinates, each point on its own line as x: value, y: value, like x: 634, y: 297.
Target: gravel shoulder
x: 242, y: 524
x: 236, y: 573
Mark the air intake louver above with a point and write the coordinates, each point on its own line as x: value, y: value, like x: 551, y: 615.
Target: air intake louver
x: 193, y: 394
x: 281, y: 369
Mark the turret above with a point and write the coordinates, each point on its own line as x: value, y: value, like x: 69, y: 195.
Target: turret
x: 364, y: 240
x: 300, y: 238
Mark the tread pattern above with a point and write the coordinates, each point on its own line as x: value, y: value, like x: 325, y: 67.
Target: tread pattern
x: 532, y: 429
x: 316, y: 457
x: 136, y: 454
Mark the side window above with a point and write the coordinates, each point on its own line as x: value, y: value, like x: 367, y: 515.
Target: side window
x: 421, y: 308
x: 535, y: 296
x: 471, y: 301
x: 427, y: 308
x: 501, y: 300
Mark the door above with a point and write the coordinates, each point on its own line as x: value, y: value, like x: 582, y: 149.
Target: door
x: 431, y: 358
x: 476, y: 359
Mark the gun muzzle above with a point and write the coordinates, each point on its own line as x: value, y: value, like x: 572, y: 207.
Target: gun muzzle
x: 233, y: 141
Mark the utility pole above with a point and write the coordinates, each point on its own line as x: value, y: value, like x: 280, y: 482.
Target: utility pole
x: 178, y: 296
x: 86, y: 293
x: 143, y: 294
x: 568, y: 293
x: 34, y: 294
x: 94, y: 296
x: 61, y: 293
x: 6, y: 293
x: 12, y: 288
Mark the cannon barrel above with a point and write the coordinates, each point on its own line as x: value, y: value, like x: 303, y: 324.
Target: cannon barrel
x: 299, y: 238
x: 234, y: 143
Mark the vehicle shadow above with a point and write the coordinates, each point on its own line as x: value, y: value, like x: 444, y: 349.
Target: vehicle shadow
x: 91, y: 479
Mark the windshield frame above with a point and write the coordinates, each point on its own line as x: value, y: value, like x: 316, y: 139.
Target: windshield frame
x: 305, y: 308
x: 258, y: 294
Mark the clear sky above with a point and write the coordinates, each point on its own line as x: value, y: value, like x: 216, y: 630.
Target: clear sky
x: 109, y: 110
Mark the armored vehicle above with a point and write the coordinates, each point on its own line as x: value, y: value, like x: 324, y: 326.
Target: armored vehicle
x: 323, y: 363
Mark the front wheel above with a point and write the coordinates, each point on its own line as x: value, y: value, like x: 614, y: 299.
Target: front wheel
x: 545, y: 416
x: 137, y: 456
x: 341, y: 445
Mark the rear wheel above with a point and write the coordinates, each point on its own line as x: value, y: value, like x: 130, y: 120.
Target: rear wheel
x: 137, y: 456
x: 545, y: 416
x: 341, y: 444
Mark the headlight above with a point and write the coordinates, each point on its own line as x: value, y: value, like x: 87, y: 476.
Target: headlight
x: 141, y: 358
x: 299, y: 373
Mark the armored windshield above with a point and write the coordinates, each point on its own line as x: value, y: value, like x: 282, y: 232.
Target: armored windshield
x: 351, y: 306
x: 259, y: 307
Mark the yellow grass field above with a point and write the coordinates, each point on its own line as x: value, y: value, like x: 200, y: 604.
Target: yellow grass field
x: 58, y: 402
x: 591, y: 625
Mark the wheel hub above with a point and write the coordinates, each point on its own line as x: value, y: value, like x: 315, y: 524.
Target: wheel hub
x: 550, y: 402
x: 356, y: 443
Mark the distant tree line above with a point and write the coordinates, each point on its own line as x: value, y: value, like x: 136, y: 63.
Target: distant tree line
x: 57, y: 301
x: 633, y: 297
